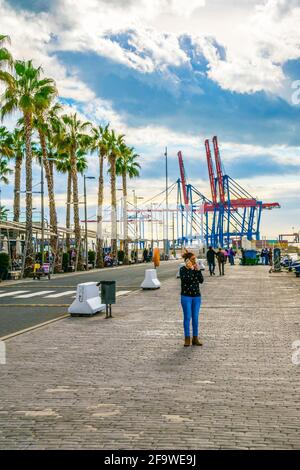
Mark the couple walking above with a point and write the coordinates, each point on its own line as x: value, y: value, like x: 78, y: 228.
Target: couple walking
x: 210, y: 256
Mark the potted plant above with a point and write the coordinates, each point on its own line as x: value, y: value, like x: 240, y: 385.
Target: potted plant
x: 92, y: 257
x: 65, y: 262
x: 121, y: 256
x: 4, y: 266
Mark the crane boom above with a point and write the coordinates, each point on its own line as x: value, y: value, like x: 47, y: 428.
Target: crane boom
x: 183, y: 181
x: 219, y: 170
x: 211, y: 172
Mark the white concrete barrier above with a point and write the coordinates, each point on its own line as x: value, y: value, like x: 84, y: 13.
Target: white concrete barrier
x: 87, y: 300
x: 150, y: 281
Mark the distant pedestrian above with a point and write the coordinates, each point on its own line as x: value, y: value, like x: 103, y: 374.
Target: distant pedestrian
x: 265, y: 255
x: 226, y: 254
x: 190, y: 276
x: 210, y: 256
x: 145, y: 255
x: 231, y: 254
x: 243, y: 256
x: 221, y: 261
x: 270, y: 257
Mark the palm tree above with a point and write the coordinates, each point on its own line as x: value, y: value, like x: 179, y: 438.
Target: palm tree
x: 63, y: 165
x: 25, y: 90
x: 42, y: 126
x: 114, y: 152
x: 5, y: 171
x: 6, y: 142
x: 6, y: 152
x: 126, y: 164
x: 3, y: 212
x: 18, y: 153
x: 5, y: 56
x: 75, y: 139
x: 101, y: 145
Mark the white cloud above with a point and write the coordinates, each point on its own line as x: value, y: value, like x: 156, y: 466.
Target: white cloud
x: 31, y: 35
x: 258, y: 48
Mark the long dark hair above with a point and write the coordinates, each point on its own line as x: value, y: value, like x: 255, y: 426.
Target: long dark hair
x: 187, y: 255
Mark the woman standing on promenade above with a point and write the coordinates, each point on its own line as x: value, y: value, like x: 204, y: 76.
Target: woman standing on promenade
x: 190, y: 276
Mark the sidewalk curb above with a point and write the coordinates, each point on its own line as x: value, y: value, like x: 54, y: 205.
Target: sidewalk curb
x: 80, y: 273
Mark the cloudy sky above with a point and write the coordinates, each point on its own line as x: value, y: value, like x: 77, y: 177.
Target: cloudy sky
x: 172, y: 73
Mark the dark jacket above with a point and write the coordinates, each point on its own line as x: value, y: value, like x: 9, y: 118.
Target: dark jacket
x: 210, y: 256
x: 221, y: 257
x: 190, y: 280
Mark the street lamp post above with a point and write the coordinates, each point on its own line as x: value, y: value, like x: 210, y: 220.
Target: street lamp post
x: 135, y: 199
x: 152, y: 227
x: 42, y: 212
x: 167, y: 208
x: 85, y: 219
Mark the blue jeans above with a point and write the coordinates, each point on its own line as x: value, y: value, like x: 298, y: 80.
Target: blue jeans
x: 211, y: 265
x: 191, y: 309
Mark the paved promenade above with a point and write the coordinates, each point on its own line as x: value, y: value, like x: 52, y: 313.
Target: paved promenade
x: 129, y: 383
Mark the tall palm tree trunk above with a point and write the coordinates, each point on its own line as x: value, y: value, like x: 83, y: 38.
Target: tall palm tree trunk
x: 68, y: 212
x: 76, y: 209
x: 52, y: 208
x: 18, y: 168
x: 28, y: 164
x: 125, y: 217
x: 113, y: 205
x: 99, y: 245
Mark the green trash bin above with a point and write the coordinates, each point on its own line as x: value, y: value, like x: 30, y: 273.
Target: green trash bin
x: 108, y: 295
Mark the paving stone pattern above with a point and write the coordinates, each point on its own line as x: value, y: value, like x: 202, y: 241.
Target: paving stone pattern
x: 128, y: 382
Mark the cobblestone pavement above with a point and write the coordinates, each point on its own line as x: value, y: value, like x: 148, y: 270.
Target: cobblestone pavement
x: 128, y: 383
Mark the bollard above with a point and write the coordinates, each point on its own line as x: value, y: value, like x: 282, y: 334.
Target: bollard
x: 150, y: 281
x: 87, y: 300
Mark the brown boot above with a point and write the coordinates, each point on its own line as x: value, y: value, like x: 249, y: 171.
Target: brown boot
x: 187, y: 341
x: 196, y: 341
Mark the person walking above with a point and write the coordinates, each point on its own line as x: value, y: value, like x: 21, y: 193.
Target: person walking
x: 231, y: 256
x: 210, y: 256
x: 145, y: 255
x: 191, y: 277
x: 270, y: 257
x: 266, y: 256
x: 221, y: 261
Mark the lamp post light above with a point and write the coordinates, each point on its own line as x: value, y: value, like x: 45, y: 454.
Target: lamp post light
x: 121, y: 234
x: 85, y: 217
x: 135, y: 199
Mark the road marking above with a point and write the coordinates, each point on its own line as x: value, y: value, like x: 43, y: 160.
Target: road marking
x: 34, y: 305
x: 122, y: 292
x: 7, y: 294
x: 60, y: 294
x: 34, y: 294
x: 31, y: 328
